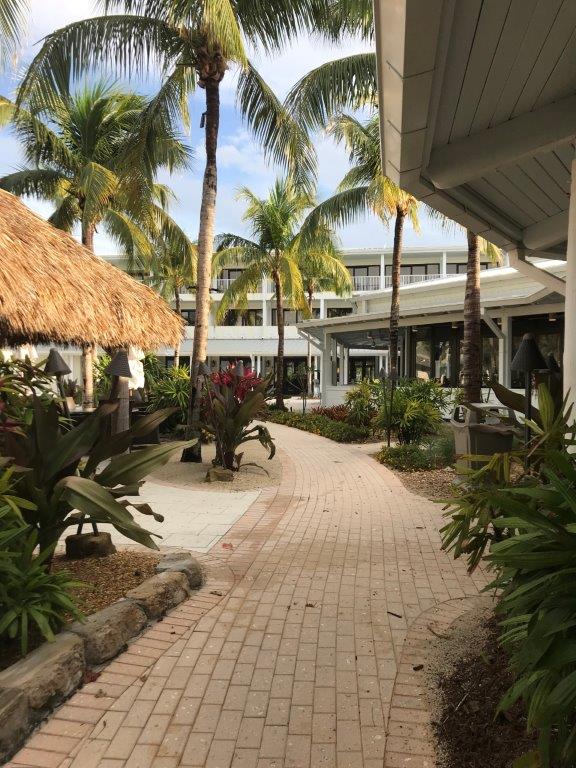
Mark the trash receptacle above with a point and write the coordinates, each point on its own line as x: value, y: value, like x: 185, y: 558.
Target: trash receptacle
x: 480, y: 431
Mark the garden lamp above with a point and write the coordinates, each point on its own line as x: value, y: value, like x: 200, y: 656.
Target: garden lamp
x: 527, y: 359
x: 55, y: 366
x: 119, y: 369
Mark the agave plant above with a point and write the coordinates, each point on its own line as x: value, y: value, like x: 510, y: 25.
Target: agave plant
x: 81, y: 474
x: 231, y: 407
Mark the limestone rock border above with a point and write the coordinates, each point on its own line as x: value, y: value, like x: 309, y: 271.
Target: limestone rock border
x: 33, y: 686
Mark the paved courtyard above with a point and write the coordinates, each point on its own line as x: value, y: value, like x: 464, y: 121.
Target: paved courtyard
x: 293, y: 652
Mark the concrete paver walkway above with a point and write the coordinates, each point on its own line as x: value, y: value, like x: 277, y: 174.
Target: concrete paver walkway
x: 288, y: 657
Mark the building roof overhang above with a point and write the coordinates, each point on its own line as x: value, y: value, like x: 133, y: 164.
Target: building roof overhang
x: 478, y: 112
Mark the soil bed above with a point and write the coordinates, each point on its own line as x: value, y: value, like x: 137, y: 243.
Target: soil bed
x: 468, y: 679
x: 107, y: 579
x: 435, y: 484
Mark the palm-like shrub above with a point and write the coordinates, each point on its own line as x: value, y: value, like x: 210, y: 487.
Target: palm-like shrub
x: 170, y: 388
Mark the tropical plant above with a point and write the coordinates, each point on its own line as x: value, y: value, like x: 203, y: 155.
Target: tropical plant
x: 365, y: 189
x: 30, y: 595
x: 231, y: 406
x: 193, y: 44
x: 171, y: 390
x: 471, y: 373
x: 435, y: 453
x: 76, y: 145
x: 172, y: 270
x: 12, y: 21
x: 102, y: 380
x: 276, y: 251
x: 61, y: 486
x: 364, y: 401
x: 411, y: 417
x: 334, y: 412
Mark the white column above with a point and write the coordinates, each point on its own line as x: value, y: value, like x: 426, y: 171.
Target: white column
x: 570, y: 307
x: 326, y: 367
x: 322, y: 308
x: 344, y: 366
x: 444, y: 264
x: 505, y: 351
x: 382, y: 271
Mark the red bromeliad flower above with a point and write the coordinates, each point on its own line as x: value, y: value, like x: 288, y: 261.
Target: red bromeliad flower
x: 240, y: 384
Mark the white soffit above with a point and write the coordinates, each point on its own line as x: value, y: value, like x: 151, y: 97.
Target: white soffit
x: 478, y: 111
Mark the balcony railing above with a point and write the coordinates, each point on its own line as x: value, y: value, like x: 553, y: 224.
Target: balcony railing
x: 366, y: 282
x: 223, y: 283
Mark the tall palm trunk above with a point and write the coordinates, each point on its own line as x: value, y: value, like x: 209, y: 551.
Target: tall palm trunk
x: 472, y: 345
x: 395, y: 299
x: 88, y: 350
x: 205, y: 248
x: 279, y: 385
x: 177, y: 307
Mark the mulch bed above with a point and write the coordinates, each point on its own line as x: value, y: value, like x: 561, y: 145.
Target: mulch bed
x: 106, y: 580
x: 469, y: 684
x: 431, y: 483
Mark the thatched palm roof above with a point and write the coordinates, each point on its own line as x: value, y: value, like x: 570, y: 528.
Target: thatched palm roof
x: 52, y: 289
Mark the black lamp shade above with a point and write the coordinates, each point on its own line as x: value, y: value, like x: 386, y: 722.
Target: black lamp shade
x: 119, y: 365
x: 55, y: 365
x: 528, y: 357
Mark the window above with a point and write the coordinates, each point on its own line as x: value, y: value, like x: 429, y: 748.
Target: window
x: 414, y: 269
x: 189, y: 316
x: 231, y: 274
x: 372, y: 270
x: 246, y: 317
x: 293, y: 316
x: 460, y: 269
x: 338, y: 311
x: 184, y: 362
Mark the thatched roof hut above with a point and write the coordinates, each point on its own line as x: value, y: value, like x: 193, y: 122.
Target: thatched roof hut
x: 54, y: 290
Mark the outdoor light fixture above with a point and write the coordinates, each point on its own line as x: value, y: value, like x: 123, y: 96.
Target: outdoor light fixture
x: 55, y: 365
x: 527, y: 359
x: 119, y: 365
x: 552, y: 317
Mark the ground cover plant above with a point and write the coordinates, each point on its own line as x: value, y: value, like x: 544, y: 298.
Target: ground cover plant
x: 518, y: 513
x: 319, y: 424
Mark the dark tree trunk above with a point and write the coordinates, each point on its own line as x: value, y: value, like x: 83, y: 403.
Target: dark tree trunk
x: 88, y: 351
x: 177, y: 307
x: 395, y: 299
x: 472, y: 344
x: 205, y: 248
x: 279, y: 384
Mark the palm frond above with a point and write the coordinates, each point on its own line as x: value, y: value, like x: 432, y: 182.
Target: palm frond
x: 12, y: 21
x: 34, y: 182
x: 236, y: 295
x: 95, y: 186
x: 66, y: 214
x: 282, y: 138
x: 220, y: 26
x: 347, y: 83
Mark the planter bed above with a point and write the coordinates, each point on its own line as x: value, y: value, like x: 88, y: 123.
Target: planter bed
x: 34, y: 685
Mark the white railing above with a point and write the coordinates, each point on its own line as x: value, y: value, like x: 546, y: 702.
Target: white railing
x: 412, y: 279
x: 223, y: 283
x: 366, y: 282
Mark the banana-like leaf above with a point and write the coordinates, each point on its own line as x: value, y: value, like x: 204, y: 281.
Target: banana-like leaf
x: 100, y: 506
x: 132, y: 467
x: 117, y: 444
x: 144, y: 509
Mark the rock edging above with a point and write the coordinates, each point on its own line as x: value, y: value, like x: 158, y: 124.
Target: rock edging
x: 33, y: 686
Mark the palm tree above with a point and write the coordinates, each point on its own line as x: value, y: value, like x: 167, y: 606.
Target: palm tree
x: 75, y: 146
x: 365, y: 189
x: 193, y: 43
x: 172, y: 270
x: 275, y: 252
x: 471, y: 374
x: 12, y: 20
x: 322, y: 270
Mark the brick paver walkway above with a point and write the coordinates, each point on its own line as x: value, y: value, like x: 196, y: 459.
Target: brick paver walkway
x: 288, y: 657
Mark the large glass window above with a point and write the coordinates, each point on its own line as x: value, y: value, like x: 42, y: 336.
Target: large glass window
x: 361, y: 368
x: 294, y: 316
x: 189, y: 316
x: 246, y: 317
x: 372, y: 270
x: 414, y: 269
x: 338, y: 311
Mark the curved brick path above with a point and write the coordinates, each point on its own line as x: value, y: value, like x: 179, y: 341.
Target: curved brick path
x: 288, y: 657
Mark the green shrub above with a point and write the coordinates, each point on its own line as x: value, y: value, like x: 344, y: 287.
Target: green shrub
x: 406, y: 458
x: 409, y: 419
x: 170, y: 388
x: 338, y: 431
x: 436, y: 453
x: 363, y: 402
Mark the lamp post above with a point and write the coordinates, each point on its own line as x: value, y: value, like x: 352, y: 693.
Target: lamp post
x: 527, y: 359
x: 119, y: 370
x: 55, y: 366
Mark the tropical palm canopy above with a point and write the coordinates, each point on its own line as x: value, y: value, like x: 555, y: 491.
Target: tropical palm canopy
x: 277, y: 251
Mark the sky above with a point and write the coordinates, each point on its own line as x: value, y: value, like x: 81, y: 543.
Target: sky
x: 240, y: 160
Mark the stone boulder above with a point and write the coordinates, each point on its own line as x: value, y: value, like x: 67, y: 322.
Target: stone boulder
x: 182, y: 562
x: 107, y: 632
x: 14, y: 721
x: 159, y: 593
x: 49, y: 674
